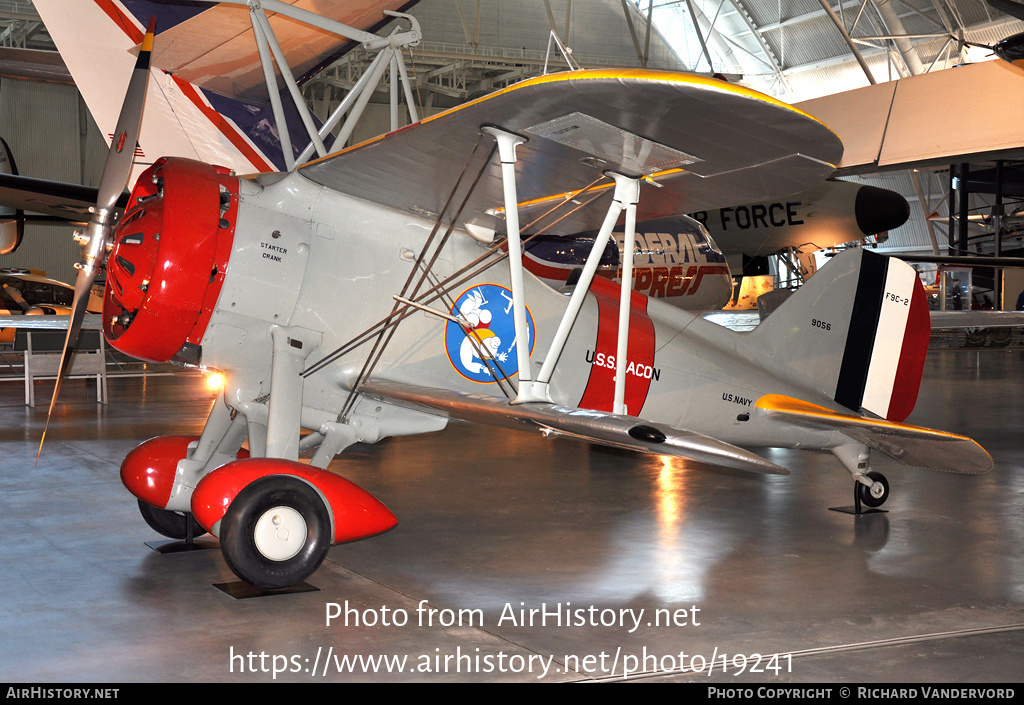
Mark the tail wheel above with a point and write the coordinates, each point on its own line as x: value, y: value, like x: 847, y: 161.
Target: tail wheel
x: 875, y: 495
x: 276, y: 532
x: 173, y: 525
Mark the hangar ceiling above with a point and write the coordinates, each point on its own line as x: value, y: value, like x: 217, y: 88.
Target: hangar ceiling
x: 798, y: 49
x: 21, y: 28
x: 793, y: 49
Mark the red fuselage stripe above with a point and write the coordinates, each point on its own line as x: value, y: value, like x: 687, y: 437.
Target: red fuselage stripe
x: 221, y: 123
x: 121, y: 20
x: 600, y: 391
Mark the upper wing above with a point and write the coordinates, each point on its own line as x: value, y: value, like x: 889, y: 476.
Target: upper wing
x: 595, y: 426
x: 706, y: 143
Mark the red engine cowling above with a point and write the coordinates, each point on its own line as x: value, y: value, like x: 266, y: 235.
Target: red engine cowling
x: 171, y: 250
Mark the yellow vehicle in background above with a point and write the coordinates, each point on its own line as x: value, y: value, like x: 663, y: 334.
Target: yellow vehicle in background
x: 27, y: 292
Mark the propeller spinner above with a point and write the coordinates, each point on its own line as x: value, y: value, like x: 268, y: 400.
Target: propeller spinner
x: 96, y: 239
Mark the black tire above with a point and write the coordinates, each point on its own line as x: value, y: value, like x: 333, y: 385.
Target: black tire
x: 253, y: 515
x: 173, y: 525
x: 867, y: 498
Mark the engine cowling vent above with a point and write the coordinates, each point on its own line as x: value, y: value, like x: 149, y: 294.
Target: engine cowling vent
x: 166, y: 257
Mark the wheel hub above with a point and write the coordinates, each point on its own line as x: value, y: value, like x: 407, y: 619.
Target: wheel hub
x: 280, y: 533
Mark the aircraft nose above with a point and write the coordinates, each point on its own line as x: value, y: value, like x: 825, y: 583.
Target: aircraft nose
x: 878, y: 210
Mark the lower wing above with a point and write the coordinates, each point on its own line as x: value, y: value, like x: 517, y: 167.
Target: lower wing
x: 598, y: 427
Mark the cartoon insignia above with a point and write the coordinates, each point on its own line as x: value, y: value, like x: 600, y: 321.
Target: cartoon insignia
x: 484, y: 348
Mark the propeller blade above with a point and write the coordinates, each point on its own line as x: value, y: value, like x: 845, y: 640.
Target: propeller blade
x: 83, y: 283
x: 116, y: 172
x: 118, y: 166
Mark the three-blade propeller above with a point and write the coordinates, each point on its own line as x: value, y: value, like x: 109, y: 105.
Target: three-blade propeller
x: 98, y: 235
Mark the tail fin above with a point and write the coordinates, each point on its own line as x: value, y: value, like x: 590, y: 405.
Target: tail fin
x: 857, y: 331
x: 97, y: 41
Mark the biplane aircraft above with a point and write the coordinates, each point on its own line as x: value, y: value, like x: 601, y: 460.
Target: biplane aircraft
x: 380, y: 290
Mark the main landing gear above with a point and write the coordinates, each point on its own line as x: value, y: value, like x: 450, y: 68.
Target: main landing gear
x: 870, y: 488
x: 275, y: 533
x: 173, y: 525
x: 873, y: 495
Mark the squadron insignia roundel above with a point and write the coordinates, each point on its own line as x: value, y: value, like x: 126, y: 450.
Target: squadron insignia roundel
x: 489, y: 349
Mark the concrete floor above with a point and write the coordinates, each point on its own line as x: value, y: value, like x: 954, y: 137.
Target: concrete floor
x: 493, y: 522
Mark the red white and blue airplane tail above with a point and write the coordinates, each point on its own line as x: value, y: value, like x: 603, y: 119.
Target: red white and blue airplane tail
x: 858, y: 331
x: 97, y: 39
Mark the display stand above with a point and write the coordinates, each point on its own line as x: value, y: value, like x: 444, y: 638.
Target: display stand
x: 857, y: 509
x: 189, y: 543
x: 203, y: 543
x: 240, y: 590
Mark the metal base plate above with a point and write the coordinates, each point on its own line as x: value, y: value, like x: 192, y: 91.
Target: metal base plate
x: 858, y: 510
x: 203, y: 543
x: 244, y: 591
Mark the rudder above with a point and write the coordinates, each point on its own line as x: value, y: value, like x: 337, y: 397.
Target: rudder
x: 858, y: 331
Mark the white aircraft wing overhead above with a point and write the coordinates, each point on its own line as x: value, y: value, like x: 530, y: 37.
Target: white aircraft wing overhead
x: 706, y: 143
x: 599, y: 427
x: 216, y: 49
x: 977, y: 319
x: 882, y: 127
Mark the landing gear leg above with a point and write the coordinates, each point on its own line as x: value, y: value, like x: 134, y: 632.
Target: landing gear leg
x: 870, y: 488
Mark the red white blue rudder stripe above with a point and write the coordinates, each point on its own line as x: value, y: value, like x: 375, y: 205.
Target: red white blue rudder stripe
x: 887, y: 341
x: 856, y: 332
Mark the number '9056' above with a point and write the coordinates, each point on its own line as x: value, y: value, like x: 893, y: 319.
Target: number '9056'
x: 824, y: 325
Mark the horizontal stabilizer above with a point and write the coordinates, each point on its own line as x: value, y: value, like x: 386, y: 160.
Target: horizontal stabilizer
x: 911, y: 445
x: 594, y: 426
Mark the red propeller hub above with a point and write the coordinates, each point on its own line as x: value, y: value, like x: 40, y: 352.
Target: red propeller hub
x: 171, y: 250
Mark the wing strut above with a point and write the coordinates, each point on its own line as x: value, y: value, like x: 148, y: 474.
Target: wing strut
x: 627, y: 193
x: 507, y: 143
x: 631, y: 192
x: 270, y: 51
x: 442, y: 288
